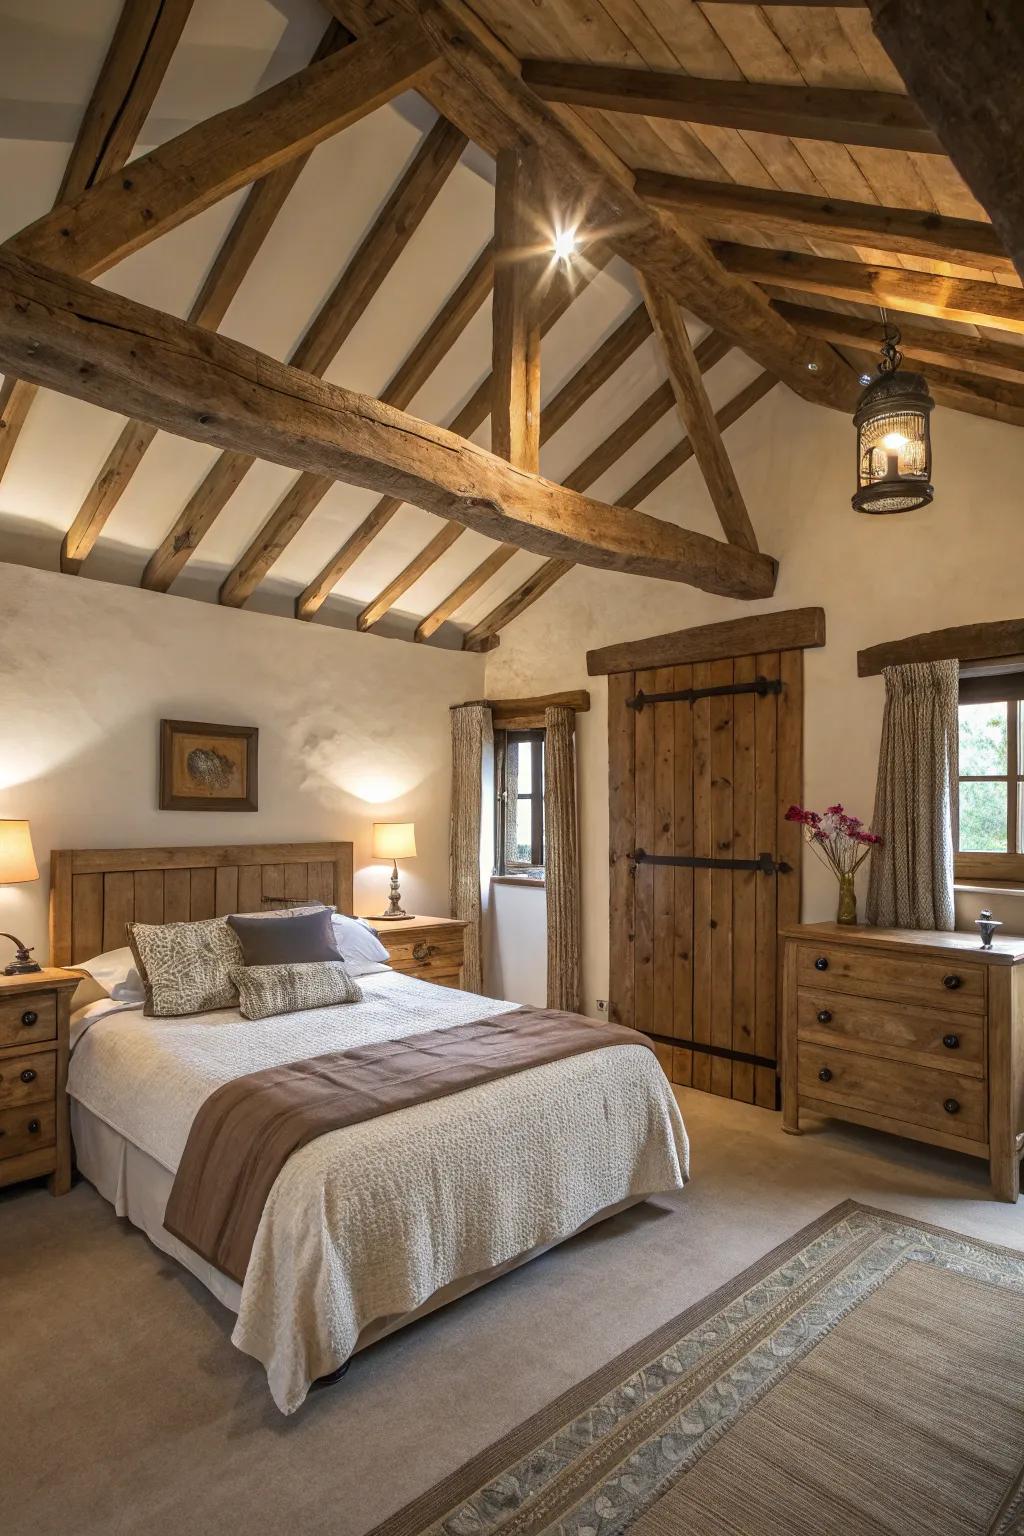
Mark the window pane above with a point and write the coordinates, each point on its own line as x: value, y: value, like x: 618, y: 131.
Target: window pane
x: 523, y: 849
x: 982, y: 739
x: 983, y: 818
x: 526, y: 768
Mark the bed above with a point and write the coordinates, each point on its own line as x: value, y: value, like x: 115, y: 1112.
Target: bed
x: 374, y: 1225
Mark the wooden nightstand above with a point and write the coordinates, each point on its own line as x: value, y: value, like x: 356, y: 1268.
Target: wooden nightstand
x: 432, y: 948
x: 35, y: 1136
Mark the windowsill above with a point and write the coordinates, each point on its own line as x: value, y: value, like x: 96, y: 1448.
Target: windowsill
x: 968, y: 887
x: 530, y: 880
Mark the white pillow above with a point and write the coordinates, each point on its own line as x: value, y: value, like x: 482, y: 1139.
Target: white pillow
x: 357, y: 940
x: 116, y: 973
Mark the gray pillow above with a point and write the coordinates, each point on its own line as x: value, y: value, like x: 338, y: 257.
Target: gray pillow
x: 264, y: 990
x: 184, y: 966
x: 285, y: 938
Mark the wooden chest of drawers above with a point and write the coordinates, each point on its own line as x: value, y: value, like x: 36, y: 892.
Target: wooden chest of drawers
x: 920, y: 1034
x: 34, y: 1132
x: 432, y: 948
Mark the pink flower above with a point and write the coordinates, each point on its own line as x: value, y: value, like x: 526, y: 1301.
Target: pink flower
x: 834, y: 810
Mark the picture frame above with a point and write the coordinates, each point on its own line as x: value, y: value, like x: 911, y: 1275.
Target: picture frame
x: 207, y: 767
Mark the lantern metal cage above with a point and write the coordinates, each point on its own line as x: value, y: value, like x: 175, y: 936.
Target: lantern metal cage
x: 894, y: 446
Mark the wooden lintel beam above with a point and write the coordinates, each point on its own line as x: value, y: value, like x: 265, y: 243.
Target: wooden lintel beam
x: 918, y: 343
x: 98, y: 346
x: 144, y: 39
x: 965, y: 642
x: 697, y: 416
x: 952, y: 298
x: 882, y: 120
x: 789, y: 630
x: 909, y: 231
x: 107, y: 222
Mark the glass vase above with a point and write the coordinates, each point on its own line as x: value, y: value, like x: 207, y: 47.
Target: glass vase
x: 847, y: 913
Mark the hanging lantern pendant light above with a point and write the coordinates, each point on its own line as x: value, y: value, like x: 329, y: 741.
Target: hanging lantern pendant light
x: 894, y: 447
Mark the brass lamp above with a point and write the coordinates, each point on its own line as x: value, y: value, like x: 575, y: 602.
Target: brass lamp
x: 17, y: 865
x: 394, y: 840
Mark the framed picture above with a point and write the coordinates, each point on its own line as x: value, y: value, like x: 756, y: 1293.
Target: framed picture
x: 208, y: 767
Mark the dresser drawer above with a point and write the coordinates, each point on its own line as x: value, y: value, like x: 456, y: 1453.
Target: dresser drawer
x: 918, y: 1096
x: 949, y: 1041
x: 26, y: 1020
x: 27, y: 1079
x: 426, y: 955
x: 27, y: 1129
x: 949, y: 984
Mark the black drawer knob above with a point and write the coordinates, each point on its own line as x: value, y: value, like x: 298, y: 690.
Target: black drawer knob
x: 29, y: 1075
x: 951, y: 1042
x: 951, y: 1106
x: 952, y: 982
x: 29, y: 1018
x: 824, y: 1017
x: 33, y: 1127
x: 821, y: 964
x: 825, y: 1075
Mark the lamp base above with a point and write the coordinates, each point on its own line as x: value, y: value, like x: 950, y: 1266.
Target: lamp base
x: 22, y: 968
x: 390, y: 917
x: 395, y: 909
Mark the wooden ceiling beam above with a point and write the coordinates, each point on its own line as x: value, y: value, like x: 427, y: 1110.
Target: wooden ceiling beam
x: 98, y: 346
x: 585, y: 382
x: 465, y: 422
x: 232, y: 262
x: 907, y: 231
x: 481, y: 88
x: 879, y: 119
x: 963, y: 64
x: 919, y: 343
x: 324, y: 337
x: 698, y: 418
x: 92, y: 232
x: 978, y: 303
x: 485, y: 635
x: 520, y: 268
x: 144, y: 39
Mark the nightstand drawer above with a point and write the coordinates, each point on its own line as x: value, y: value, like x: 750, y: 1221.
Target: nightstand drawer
x: 918, y: 1096
x: 27, y: 1129
x: 443, y: 954
x: 27, y: 1079
x: 28, y: 1019
x: 951, y: 984
x: 897, y: 1031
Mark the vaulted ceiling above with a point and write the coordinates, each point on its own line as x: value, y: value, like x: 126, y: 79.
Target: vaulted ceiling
x: 785, y: 188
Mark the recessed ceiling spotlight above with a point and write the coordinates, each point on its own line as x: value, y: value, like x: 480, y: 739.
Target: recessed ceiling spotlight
x: 565, y: 244
x: 812, y: 367
x: 865, y: 378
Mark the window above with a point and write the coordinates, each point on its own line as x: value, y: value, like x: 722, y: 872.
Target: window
x: 519, y: 803
x: 990, y: 802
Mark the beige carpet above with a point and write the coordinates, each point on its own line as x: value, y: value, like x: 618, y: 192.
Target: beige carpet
x: 124, y: 1408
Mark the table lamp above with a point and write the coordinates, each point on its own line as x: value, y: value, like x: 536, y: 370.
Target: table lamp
x: 17, y: 864
x: 394, y: 840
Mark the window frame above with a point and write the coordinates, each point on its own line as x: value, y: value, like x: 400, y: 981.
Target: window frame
x: 511, y: 868
x: 995, y: 688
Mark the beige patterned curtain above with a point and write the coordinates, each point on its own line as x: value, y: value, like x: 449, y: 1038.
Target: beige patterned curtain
x: 912, y: 872
x: 561, y: 859
x: 472, y: 762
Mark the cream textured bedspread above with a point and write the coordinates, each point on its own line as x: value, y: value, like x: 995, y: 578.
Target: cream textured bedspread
x: 368, y: 1222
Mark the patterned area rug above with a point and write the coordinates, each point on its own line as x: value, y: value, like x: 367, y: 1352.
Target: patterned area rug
x: 866, y: 1377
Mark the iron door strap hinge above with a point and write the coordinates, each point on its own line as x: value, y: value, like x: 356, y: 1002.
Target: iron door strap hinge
x: 762, y: 686
x: 764, y: 864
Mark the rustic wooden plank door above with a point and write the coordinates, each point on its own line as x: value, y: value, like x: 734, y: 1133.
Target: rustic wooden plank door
x: 694, y: 950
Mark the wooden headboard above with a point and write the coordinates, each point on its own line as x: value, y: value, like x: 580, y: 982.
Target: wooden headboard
x: 95, y: 891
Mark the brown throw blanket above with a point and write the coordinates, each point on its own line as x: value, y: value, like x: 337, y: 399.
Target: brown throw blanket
x: 245, y: 1131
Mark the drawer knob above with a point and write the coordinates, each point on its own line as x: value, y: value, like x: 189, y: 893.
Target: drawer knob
x: 33, y: 1127
x: 821, y: 964
x: 29, y: 1017
x: 29, y: 1075
x: 952, y: 982
x: 951, y: 1106
x: 951, y: 1042
x: 825, y: 1075
x: 423, y: 951
x: 824, y: 1017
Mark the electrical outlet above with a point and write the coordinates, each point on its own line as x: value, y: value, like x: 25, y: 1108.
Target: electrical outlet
x: 602, y: 1005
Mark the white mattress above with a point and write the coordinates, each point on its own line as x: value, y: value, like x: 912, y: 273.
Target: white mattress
x: 371, y: 1222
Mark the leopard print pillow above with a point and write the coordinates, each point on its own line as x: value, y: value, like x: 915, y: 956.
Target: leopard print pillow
x: 185, y: 967
x: 264, y: 990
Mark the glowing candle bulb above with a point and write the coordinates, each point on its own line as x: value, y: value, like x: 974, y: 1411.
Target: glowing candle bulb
x: 565, y: 244
x: 894, y: 441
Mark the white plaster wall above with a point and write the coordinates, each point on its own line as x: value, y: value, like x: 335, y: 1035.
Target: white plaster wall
x: 515, y: 944
x: 353, y: 729
x: 957, y: 562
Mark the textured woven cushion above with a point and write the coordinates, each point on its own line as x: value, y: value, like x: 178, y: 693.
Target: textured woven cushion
x: 264, y: 990
x: 185, y: 967
x: 285, y: 938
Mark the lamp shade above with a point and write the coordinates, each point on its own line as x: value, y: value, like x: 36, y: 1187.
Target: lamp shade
x: 17, y: 861
x: 394, y: 840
